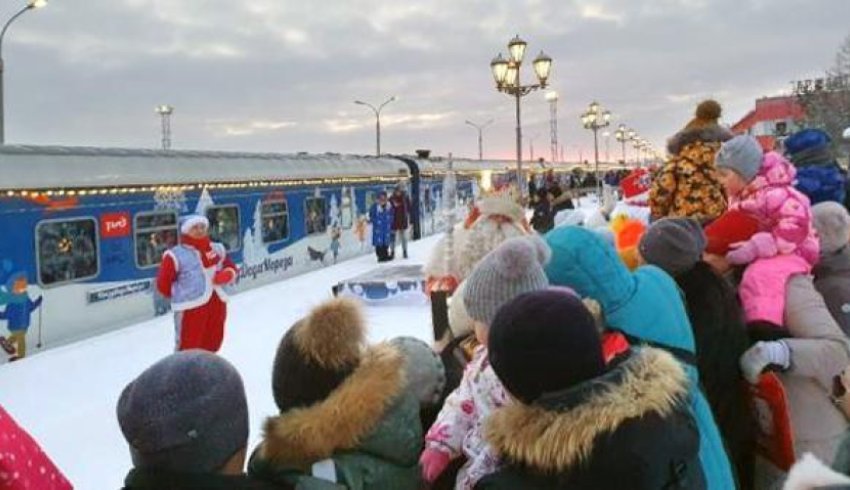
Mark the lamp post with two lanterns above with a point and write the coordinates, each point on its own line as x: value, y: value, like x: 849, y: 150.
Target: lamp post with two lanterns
x: 506, y: 73
x: 595, y: 119
x: 31, y: 4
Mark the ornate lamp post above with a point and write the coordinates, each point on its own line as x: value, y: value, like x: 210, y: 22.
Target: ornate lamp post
x: 622, y: 135
x: 31, y: 4
x: 594, y: 119
x: 506, y: 73
x: 480, y: 128
x: 377, y: 111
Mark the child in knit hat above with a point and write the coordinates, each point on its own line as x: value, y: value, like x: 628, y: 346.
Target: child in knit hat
x: 818, y: 175
x: 186, y: 421
x: 575, y: 422
x: 514, y: 267
x: 832, y: 273
x: 761, y: 185
x: 776, y: 289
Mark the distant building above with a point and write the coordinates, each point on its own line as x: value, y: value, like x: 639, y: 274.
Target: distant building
x: 772, y: 119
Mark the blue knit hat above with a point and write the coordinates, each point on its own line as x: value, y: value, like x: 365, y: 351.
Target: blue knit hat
x: 809, y: 147
x: 186, y: 413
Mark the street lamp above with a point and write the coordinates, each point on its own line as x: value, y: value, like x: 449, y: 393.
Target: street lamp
x: 377, y: 112
x: 607, y: 135
x: 165, y: 112
x: 622, y: 135
x: 31, y: 4
x: 594, y: 119
x: 480, y: 128
x: 506, y: 73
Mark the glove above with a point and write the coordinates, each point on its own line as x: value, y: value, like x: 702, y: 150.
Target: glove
x: 759, y: 246
x: 433, y: 462
x: 223, y: 277
x: 763, y: 355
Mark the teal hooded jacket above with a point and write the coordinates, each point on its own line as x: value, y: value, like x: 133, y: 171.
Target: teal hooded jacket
x: 645, y: 305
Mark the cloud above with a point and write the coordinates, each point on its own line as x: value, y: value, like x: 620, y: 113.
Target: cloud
x: 282, y: 75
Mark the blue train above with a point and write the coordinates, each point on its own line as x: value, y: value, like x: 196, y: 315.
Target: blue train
x: 83, y: 229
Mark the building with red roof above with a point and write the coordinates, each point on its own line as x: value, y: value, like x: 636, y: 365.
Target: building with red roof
x: 772, y: 117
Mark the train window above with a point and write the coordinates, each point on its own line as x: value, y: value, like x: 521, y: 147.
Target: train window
x: 67, y: 250
x: 155, y: 232
x: 316, y: 215
x: 275, y: 218
x: 224, y: 226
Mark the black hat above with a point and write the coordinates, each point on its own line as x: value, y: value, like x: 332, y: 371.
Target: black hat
x: 318, y: 353
x: 544, y: 341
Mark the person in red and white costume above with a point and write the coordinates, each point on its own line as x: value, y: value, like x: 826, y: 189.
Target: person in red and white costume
x: 193, y: 275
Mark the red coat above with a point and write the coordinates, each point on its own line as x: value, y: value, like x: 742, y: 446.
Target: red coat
x: 401, y: 210
x: 23, y: 463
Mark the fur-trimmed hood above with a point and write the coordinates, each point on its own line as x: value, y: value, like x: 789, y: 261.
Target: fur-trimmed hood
x: 709, y: 134
x: 559, y: 431
x: 344, y: 420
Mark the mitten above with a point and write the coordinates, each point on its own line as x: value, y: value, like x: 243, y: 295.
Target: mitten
x: 764, y: 354
x: 223, y: 277
x: 759, y: 246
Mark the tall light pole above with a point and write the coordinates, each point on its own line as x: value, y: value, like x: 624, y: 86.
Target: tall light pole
x: 607, y: 135
x: 506, y: 72
x: 621, y: 135
x: 165, y: 112
x: 531, y: 148
x: 377, y: 111
x: 552, y: 97
x: 595, y: 119
x: 31, y: 4
x: 480, y: 128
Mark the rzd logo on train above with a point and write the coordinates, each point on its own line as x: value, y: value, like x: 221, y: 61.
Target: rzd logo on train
x: 113, y: 225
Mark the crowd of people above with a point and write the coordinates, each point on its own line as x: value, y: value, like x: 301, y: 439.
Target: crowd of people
x: 715, y: 356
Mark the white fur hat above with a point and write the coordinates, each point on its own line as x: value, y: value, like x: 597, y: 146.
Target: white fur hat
x: 187, y: 222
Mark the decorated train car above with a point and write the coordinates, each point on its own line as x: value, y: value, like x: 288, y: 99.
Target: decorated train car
x: 84, y: 229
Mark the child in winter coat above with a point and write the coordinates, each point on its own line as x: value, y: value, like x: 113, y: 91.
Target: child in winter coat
x: 577, y: 423
x: 515, y: 267
x: 762, y: 186
x: 832, y: 274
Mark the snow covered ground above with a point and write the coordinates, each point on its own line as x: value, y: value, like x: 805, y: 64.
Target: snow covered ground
x: 66, y: 397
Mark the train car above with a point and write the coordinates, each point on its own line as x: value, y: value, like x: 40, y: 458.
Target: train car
x: 84, y: 229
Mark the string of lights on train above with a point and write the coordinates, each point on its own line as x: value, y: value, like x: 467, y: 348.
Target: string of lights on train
x: 101, y: 191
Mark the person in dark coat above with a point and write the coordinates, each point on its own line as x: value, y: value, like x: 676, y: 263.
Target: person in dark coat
x: 819, y: 176
x: 832, y: 273
x: 401, y: 219
x: 676, y: 245
x: 381, y: 215
x: 576, y: 423
x: 543, y: 218
x: 186, y: 421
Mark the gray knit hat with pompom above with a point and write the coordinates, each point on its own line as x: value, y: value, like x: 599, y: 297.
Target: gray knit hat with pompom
x: 513, y: 268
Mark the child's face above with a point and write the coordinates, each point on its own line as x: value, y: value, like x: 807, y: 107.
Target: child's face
x: 731, y: 180
x: 20, y: 286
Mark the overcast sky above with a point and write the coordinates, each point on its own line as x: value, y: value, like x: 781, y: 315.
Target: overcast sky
x: 282, y: 75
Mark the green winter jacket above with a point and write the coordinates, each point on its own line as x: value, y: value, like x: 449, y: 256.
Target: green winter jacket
x: 368, y: 427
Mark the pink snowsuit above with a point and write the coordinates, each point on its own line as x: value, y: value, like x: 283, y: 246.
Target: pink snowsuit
x: 786, y: 243
x: 459, y: 426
